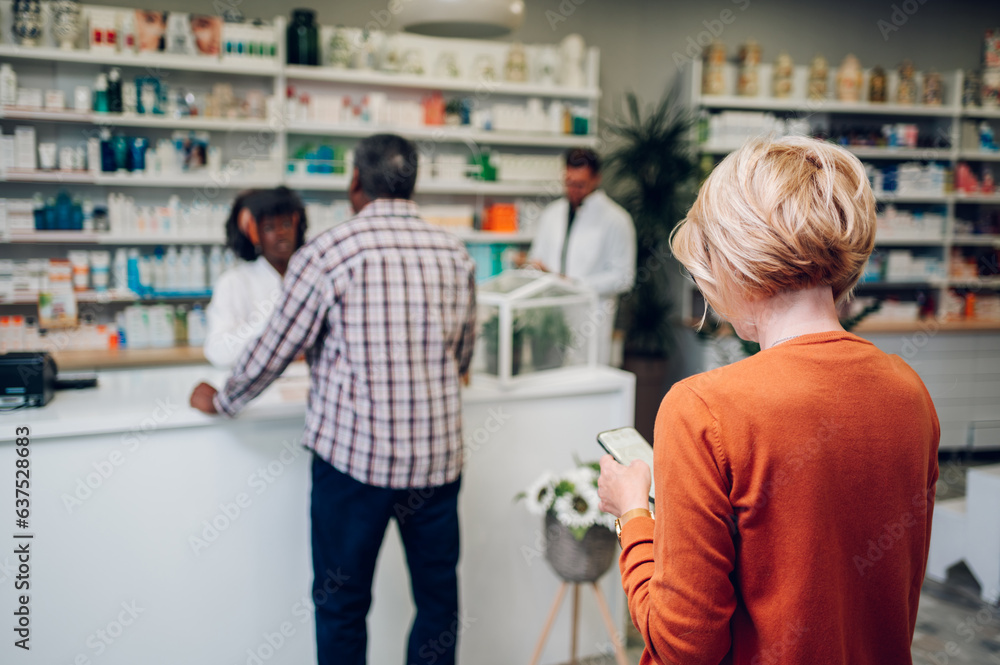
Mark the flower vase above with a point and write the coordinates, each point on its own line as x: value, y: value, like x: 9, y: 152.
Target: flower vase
x: 66, y: 23
x: 578, y: 561
x: 27, y: 26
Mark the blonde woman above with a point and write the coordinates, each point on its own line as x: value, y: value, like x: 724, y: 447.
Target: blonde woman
x: 794, y: 488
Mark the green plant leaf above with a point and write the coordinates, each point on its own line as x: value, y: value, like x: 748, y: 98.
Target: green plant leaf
x: 653, y: 175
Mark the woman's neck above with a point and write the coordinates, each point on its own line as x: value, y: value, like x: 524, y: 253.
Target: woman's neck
x: 788, y: 315
x: 278, y: 265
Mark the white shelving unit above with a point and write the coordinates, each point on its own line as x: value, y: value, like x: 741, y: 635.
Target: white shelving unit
x: 946, y: 118
x: 48, y: 67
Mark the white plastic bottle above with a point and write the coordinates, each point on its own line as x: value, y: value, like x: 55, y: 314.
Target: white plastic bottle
x: 214, y: 265
x: 121, y: 269
x: 8, y: 85
x: 197, y: 325
x: 200, y: 270
x: 172, y: 269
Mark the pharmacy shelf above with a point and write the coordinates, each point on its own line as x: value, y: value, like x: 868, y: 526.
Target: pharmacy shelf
x: 146, y: 121
x: 103, y: 239
x: 338, y: 183
x: 192, y: 180
x: 909, y: 284
x: 971, y: 112
x: 977, y: 198
x: 875, y: 326
x: 886, y: 197
x: 976, y: 240
x: 231, y: 66
x: 125, y: 358
x: 979, y: 156
x: 92, y: 238
x: 490, y: 237
x: 370, y: 78
x: 56, y: 177
x: 446, y: 134
x: 489, y: 188
x: 973, y: 283
x: 814, y: 107
x: 113, y: 295
x: 930, y: 154
x: 58, y: 237
x: 908, y: 242
x: 40, y: 115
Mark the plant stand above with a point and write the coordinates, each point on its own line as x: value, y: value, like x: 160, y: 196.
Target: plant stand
x: 616, y: 639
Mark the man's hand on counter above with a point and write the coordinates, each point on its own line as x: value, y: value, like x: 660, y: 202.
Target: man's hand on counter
x: 202, y: 398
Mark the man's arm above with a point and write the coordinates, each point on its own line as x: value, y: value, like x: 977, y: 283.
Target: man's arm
x: 619, y: 273
x: 294, y: 325
x: 468, y: 340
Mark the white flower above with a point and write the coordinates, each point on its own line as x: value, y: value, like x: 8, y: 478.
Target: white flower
x: 539, y: 496
x: 579, y: 508
x: 582, y: 476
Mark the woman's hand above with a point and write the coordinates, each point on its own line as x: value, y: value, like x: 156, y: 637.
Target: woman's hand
x: 202, y: 398
x: 623, y: 488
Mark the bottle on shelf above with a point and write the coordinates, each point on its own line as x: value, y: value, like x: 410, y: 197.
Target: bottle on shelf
x: 303, y: 38
x: 115, y: 90
x: 101, y: 104
x: 8, y: 85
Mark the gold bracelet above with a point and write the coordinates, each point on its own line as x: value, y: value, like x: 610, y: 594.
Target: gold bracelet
x: 625, y: 517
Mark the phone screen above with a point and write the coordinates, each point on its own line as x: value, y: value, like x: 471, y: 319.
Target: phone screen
x: 626, y: 444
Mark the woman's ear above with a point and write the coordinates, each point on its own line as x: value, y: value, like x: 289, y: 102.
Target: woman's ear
x: 248, y: 226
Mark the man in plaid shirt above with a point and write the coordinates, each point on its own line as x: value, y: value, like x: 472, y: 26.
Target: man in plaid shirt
x: 384, y: 307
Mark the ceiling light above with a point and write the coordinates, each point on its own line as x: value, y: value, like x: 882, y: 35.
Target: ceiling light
x: 461, y: 18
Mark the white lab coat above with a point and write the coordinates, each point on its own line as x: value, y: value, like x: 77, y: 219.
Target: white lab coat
x: 600, y: 255
x: 242, y: 302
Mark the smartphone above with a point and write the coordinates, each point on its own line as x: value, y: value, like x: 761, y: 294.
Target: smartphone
x: 626, y: 444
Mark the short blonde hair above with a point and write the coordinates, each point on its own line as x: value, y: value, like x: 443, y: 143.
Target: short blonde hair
x: 777, y: 216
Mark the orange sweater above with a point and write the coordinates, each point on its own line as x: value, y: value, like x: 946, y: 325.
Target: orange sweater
x: 794, y: 497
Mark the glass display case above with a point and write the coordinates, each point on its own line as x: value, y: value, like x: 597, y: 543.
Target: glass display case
x: 532, y: 322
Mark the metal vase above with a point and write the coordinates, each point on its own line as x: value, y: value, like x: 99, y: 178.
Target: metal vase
x: 66, y: 22
x: 578, y: 561
x: 27, y: 27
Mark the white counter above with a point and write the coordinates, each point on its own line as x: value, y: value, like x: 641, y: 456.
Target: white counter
x: 127, y: 481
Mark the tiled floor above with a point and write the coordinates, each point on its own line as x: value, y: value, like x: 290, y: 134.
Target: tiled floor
x: 953, y: 626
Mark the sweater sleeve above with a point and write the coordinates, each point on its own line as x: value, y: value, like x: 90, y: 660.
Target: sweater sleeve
x: 676, y: 569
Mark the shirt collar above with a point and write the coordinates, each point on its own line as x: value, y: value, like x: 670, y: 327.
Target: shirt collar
x: 390, y: 208
x: 589, y: 200
x: 265, y: 267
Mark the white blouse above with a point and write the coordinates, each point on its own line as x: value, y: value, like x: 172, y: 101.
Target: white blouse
x: 242, y: 302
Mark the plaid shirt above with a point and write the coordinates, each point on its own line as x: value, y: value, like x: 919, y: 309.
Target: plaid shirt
x: 385, y: 307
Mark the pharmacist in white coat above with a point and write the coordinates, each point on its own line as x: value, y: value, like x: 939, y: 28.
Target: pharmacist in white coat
x: 588, y: 238
x: 265, y: 227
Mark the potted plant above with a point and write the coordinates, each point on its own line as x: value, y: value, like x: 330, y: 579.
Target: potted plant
x: 579, y: 541
x: 652, y: 175
x: 490, y: 333
x: 550, y: 335
x: 453, y: 112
